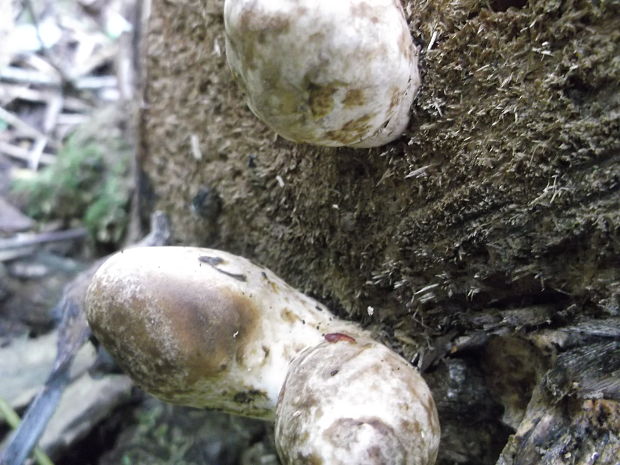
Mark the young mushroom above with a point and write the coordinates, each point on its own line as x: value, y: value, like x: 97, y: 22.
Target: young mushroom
x: 206, y: 328
x: 324, y: 72
x: 354, y: 401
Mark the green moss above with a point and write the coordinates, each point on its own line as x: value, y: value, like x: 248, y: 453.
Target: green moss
x: 161, y: 434
x: 89, y: 181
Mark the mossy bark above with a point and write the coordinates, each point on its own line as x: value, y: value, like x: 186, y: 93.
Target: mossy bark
x: 483, y: 245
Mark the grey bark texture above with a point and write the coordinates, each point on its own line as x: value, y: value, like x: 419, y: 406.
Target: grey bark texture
x: 483, y: 245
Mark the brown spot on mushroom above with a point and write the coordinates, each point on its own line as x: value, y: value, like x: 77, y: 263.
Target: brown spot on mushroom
x: 288, y: 315
x: 405, y: 46
x: 395, y: 98
x: 412, y: 426
x: 352, y: 131
x: 320, y: 99
x: 365, y: 10
x: 353, y: 98
x: 171, y: 334
x: 215, y: 323
x: 316, y: 37
x: 312, y: 459
x: 255, y: 26
x: 272, y: 285
x: 254, y: 20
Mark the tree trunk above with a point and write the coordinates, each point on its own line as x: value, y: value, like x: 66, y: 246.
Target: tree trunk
x: 483, y: 245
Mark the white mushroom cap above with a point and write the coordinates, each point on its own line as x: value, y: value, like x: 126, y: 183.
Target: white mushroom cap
x: 355, y: 403
x: 203, y: 327
x: 325, y: 72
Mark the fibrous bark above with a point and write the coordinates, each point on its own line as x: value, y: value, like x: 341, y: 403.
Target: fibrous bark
x: 483, y: 245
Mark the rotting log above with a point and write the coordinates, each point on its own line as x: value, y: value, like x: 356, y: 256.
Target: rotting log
x: 483, y: 245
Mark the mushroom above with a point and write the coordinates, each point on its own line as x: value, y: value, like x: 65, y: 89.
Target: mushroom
x: 203, y: 327
x: 206, y: 328
x: 349, y: 402
x: 324, y: 72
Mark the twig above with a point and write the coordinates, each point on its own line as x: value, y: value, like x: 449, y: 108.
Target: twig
x: 41, y: 238
x: 55, y: 104
x: 10, y: 92
x: 23, y: 154
x: 71, y: 119
x: 20, y: 124
x: 46, y: 52
x: 13, y: 421
x: 34, y: 157
x: 52, y: 110
x: 96, y: 82
x: 98, y: 56
x: 16, y: 74
x: 73, y: 332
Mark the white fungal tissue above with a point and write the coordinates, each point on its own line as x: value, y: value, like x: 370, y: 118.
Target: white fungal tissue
x: 325, y: 72
x: 206, y: 328
x: 355, y: 402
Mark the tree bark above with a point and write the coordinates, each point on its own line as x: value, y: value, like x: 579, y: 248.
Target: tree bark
x: 483, y: 245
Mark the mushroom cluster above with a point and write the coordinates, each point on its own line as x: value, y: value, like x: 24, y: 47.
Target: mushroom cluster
x: 206, y: 328
x: 324, y: 72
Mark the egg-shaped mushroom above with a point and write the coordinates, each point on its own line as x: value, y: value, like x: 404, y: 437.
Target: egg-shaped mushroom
x: 325, y: 72
x: 352, y: 401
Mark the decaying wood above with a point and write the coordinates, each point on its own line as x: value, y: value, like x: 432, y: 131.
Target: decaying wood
x: 486, y: 240
x: 573, y: 416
